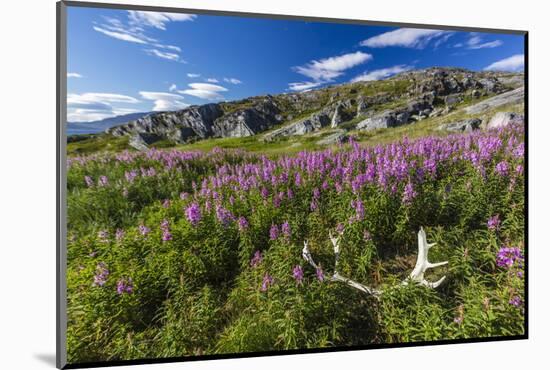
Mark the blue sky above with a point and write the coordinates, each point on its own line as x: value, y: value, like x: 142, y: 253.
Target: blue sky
x: 130, y: 61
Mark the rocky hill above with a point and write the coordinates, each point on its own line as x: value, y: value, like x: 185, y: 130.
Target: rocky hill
x: 404, y: 99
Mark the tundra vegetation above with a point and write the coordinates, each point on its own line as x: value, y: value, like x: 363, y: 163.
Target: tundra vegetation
x: 195, y: 248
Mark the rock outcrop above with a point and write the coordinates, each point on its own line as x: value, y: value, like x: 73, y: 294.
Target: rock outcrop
x: 502, y: 119
x: 389, y: 118
x: 312, y: 123
x: 467, y: 125
x: 510, y: 97
x: 366, y: 105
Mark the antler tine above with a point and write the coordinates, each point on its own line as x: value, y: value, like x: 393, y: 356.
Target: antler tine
x: 307, y: 255
x: 422, y: 263
x: 417, y: 275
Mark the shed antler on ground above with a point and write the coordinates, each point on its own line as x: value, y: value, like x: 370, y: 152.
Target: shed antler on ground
x: 416, y: 276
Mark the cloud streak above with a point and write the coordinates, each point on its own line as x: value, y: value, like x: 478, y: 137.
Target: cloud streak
x: 303, y: 86
x: 379, y: 74
x: 96, y: 106
x: 205, y: 91
x: 157, y: 19
x: 164, y: 101
x: 134, y: 28
x: 405, y: 37
x: 232, y: 80
x: 329, y: 68
x: 326, y: 70
x: 515, y: 63
x: 163, y: 55
x: 74, y: 75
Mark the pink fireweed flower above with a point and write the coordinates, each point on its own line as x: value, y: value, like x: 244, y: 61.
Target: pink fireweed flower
x: 493, y: 223
x: 256, y: 259
x: 298, y: 274
x: 509, y: 256
x: 119, y: 234
x: 130, y: 175
x: 313, y: 205
x: 193, y: 213
x: 266, y: 282
x: 89, y: 182
x: 367, y: 236
x: 515, y: 301
x: 144, y: 230
x: 340, y: 228
x: 103, y: 236
x: 224, y: 216
x: 103, y: 181
x: 124, y: 286
x: 166, y: 203
x: 166, y: 234
x: 501, y: 168
x: 359, y: 209
x: 102, y: 273
x: 316, y: 193
x: 297, y: 179
x: 285, y: 229
x: 319, y: 273
x: 408, y: 194
x: 273, y: 232
x: 289, y: 194
x: 243, y: 223
x: 184, y: 195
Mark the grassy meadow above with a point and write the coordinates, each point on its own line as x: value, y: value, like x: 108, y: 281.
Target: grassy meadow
x: 197, y: 249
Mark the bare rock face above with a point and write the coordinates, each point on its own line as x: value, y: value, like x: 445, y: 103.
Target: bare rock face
x: 510, y: 97
x: 404, y: 99
x: 336, y: 116
x: 179, y: 126
x: 334, y: 138
x: 249, y: 121
x: 385, y: 119
x: 502, y: 119
x: 312, y: 123
x: 467, y: 125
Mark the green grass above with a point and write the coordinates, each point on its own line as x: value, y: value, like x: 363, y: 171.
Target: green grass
x: 98, y: 143
x: 198, y: 293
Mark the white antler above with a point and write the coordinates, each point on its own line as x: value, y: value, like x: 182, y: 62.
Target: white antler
x: 417, y: 275
x: 422, y: 263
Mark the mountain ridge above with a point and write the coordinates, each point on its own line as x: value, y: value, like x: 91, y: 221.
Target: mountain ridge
x: 402, y: 99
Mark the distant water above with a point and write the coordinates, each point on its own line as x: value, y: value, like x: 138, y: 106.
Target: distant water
x: 94, y: 127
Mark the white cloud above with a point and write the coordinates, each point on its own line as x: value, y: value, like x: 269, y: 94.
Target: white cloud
x: 87, y: 115
x: 475, y: 42
x: 379, y: 74
x: 330, y: 68
x: 207, y: 87
x: 156, y: 19
x: 232, y: 80
x: 164, y: 101
x: 172, y: 87
x: 212, y: 80
x: 515, y: 63
x: 95, y: 106
x: 134, y: 30
x: 121, y: 35
x: 162, y: 54
x: 169, y: 47
x: 193, y: 75
x: 74, y: 75
x: 303, y: 86
x: 404, y: 37
x: 100, y: 97
x: 205, y: 91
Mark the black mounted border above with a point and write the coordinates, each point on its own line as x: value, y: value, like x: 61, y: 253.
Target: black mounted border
x: 61, y: 157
